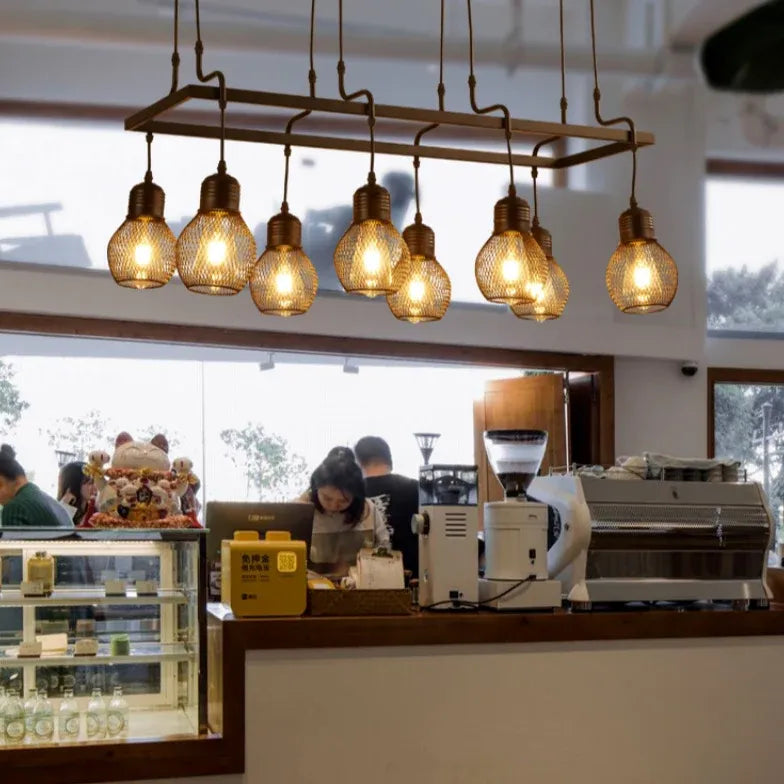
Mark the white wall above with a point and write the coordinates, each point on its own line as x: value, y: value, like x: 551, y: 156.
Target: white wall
x: 584, y: 226
x: 647, y: 712
x: 658, y: 409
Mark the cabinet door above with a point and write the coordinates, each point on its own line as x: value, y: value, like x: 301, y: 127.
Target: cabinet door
x: 527, y: 402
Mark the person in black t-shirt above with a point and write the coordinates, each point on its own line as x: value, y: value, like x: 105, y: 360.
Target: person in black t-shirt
x: 397, y: 494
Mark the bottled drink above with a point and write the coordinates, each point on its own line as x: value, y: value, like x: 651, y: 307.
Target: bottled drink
x: 68, y: 719
x: 2, y: 714
x: 117, y: 715
x: 29, y: 710
x: 95, y: 719
x: 43, y: 719
x: 14, y: 718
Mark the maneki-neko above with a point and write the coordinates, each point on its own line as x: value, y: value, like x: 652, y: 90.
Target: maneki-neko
x: 141, y: 487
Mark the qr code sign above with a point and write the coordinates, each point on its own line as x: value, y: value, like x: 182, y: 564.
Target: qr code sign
x: 287, y: 561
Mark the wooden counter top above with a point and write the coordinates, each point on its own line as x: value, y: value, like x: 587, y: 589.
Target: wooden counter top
x: 455, y: 628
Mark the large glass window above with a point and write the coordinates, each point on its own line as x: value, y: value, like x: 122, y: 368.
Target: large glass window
x: 743, y: 253
x: 255, y: 426
x: 63, y: 207
x: 748, y: 421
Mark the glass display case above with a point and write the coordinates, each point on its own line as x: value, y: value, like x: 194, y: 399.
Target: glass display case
x: 102, y: 635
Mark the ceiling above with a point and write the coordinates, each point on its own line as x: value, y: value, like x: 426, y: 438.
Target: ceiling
x: 527, y: 30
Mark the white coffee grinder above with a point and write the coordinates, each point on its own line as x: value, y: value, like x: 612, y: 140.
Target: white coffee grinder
x: 447, y: 527
x: 515, y: 529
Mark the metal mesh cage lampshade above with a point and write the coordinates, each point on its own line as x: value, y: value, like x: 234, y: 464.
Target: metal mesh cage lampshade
x: 551, y: 298
x: 427, y: 290
x: 511, y: 266
x: 216, y: 250
x: 425, y: 293
x: 641, y: 276
x: 142, y: 253
x: 284, y: 281
x: 371, y: 258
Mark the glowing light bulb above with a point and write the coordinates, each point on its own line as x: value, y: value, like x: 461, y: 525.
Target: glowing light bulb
x: 142, y: 254
x: 642, y: 276
x: 371, y: 259
x: 417, y: 288
x: 510, y: 269
x: 535, y: 290
x: 284, y: 282
x: 216, y: 252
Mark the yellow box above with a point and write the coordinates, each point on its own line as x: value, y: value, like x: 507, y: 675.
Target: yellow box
x: 264, y: 576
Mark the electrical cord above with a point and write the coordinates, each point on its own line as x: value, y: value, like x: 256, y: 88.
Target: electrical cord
x: 458, y: 603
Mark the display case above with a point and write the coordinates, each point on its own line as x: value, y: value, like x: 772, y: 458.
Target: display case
x: 114, y: 649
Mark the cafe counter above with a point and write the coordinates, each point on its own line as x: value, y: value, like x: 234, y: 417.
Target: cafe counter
x: 637, y: 696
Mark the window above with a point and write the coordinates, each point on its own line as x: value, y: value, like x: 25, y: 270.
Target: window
x: 743, y: 255
x: 748, y: 425
x: 63, y: 207
x: 251, y: 432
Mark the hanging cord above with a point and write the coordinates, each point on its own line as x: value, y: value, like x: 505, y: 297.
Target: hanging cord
x: 597, y: 97
x: 441, y: 92
x: 297, y: 117
x: 496, y: 107
x: 148, y: 175
x: 564, y: 106
x: 371, y: 104
x: 175, y: 58
x: 219, y: 75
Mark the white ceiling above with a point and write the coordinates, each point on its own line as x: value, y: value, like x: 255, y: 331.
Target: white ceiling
x: 654, y: 25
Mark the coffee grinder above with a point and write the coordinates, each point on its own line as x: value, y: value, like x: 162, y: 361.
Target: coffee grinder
x: 515, y: 529
x: 447, y: 526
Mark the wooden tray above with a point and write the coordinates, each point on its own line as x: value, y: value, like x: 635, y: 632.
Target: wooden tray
x: 338, y: 602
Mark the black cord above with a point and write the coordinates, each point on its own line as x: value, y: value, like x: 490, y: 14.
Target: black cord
x: 458, y: 603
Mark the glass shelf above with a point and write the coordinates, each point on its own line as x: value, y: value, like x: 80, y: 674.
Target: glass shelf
x: 87, y: 597
x: 141, y: 653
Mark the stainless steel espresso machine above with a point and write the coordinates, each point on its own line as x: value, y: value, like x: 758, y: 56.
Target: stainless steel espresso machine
x: 655, y: 540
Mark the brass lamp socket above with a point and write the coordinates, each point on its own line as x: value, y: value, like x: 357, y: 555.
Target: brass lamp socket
x: 420, y: 239
x: 511, y: 214
x: 371, y: 202
x: 220, y: 191
x: 284, y: 229
x: 636, y: 224
x: 146, y: 200
x: 545, y: 240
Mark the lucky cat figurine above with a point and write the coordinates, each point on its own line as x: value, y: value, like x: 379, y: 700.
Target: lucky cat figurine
x: 140, y: 489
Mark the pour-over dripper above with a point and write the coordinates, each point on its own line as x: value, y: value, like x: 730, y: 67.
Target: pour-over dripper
x: 426, y: 443
x: 515, y: 457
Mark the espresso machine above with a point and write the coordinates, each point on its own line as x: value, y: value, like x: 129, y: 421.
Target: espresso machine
x: 515, y: 529
x: 447, y: 526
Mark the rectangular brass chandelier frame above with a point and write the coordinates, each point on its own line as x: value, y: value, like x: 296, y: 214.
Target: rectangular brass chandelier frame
x: 611, y: 141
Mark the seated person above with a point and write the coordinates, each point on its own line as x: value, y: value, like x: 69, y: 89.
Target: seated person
x: 344, y: 521
x: 75, y: 490
x: 24, y: 505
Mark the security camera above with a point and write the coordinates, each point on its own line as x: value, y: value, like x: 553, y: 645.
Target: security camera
x: 690, y: 368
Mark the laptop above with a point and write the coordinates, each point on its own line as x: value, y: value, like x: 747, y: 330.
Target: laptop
x: 223, y: 518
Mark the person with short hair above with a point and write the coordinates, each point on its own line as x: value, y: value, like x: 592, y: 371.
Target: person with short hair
x: 397, y: 494
x: 24, y: 504
x: 344, y: 521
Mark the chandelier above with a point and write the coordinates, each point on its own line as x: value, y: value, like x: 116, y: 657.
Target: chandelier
x: 216, y: 253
